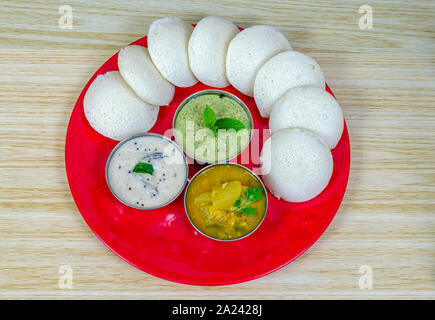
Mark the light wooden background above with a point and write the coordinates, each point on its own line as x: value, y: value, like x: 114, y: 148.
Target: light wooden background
x: 383, y: 77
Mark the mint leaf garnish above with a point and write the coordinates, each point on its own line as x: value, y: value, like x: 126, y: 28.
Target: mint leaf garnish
x: 209, y: 117
x: 229, y: 123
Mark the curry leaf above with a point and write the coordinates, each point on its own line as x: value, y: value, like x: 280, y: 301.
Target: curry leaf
x: 142, y: 167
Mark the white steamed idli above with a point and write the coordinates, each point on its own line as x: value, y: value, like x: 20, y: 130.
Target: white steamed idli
x: 168, y: 39
x: 139, y: 72
x: 114, y: 110
x: 286, y: 70
x: 309, y: 108
x: 297, y: 165
x: 208, y: 47
x: 248, y: 51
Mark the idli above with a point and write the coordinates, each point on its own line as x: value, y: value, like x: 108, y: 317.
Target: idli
x: 207, y: 50
x: 168, y: 39
x: 139, y: 72
x: 309, y: 108
x: 296, y: 165
x: 114, y: 110
x: 248, y: 51
x: 286, y: 70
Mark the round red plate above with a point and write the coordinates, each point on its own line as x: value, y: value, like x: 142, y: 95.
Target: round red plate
x: 162, y: 242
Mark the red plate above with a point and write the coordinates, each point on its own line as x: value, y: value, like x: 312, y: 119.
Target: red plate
x: 162, y: 242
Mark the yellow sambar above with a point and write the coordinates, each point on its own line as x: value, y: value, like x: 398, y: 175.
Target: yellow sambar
x: 231, y: 223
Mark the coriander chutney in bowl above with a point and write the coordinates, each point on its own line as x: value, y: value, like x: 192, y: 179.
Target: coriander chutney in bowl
x: 212, y: 126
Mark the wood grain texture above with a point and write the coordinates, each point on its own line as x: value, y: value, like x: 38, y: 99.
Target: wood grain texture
x: 384, y: 78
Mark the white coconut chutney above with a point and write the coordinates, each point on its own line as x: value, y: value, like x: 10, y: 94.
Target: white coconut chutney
x: 166, y: 171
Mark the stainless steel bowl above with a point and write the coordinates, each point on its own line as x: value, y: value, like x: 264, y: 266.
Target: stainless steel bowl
x: 218, y: 164
x: 216, y: 92
x: 120, y: 144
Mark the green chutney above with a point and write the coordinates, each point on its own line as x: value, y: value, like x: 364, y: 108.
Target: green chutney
x: 200, y: 142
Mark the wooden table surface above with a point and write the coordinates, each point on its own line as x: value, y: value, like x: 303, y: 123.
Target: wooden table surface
x: 384, y: 78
